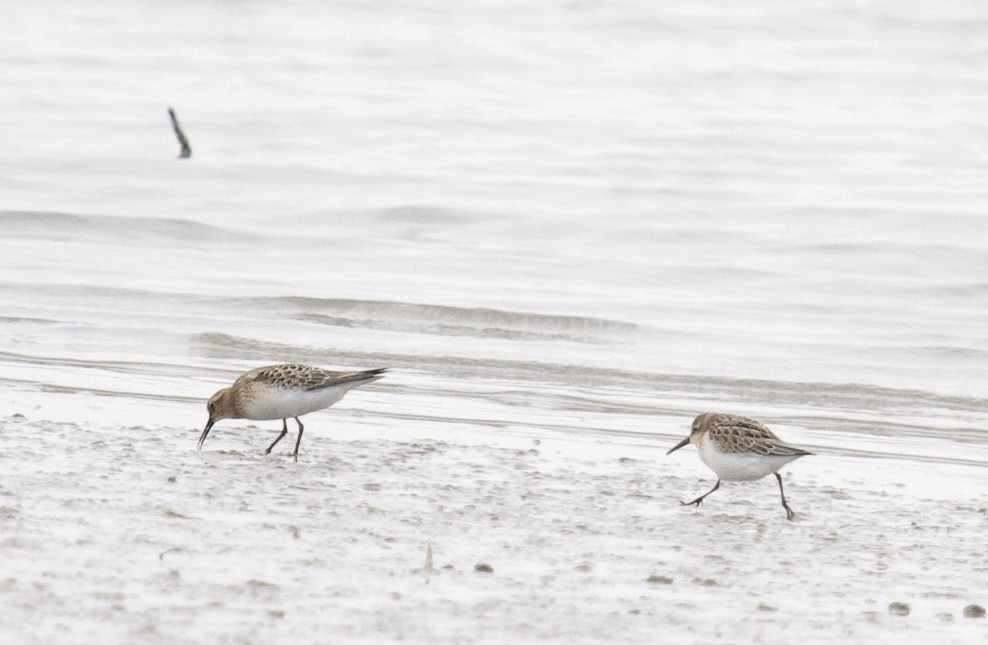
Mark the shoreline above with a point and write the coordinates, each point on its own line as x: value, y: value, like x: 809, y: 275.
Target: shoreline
x: 130, y: 534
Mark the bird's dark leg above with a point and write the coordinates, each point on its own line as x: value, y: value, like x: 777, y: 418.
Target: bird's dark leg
x: 284, y: 431
x: 299, y: 440
x: 699, y: 500
x: 785, y: 504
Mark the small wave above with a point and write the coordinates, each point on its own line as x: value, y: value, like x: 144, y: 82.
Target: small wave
x: 92, y: 294
x: 444, y: 320
x: 421, y: 215
x: 65, y: 226
x: 781, y: 394
x: 20, y: 319
x: 439, y: 329
x: 949, y: 351
x: 404, y: 215
x: 952, y: 290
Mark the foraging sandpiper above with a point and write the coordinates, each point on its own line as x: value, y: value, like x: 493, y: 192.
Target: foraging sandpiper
x: 280, y: 392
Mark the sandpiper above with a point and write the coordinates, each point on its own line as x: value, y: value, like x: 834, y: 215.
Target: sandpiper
x: 280, y: 392
x: 739, y: 449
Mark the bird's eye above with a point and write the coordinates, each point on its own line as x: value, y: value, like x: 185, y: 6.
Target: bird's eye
x: 210, y: 406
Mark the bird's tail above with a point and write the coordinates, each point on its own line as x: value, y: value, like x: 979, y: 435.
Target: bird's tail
x: 348, y: 381
x: 367, y: 376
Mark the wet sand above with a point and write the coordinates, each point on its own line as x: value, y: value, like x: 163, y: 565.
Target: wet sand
x: 125, y: 533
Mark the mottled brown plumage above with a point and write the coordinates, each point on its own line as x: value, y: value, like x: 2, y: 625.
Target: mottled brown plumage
x: 737, y: 449
x: 737, y: 434
x: 283, y: 391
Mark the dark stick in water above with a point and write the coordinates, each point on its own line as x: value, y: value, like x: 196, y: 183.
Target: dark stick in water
x: 182, y: 139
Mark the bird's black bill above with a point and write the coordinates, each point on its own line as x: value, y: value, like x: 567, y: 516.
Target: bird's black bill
x: 202, y: 437
x: 679, y: 445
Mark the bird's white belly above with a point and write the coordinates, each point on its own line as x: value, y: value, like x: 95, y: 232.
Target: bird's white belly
x: 284, y: 403
x: 739, y: 466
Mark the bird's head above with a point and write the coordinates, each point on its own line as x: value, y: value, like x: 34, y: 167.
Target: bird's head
x: 698, y: 428
x: 220, y: 406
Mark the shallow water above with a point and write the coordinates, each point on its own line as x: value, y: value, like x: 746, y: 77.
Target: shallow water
x: 567, y: 228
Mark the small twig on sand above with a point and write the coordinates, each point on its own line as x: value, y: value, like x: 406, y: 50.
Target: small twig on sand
x: 428, y: 562
x: 182, y: 139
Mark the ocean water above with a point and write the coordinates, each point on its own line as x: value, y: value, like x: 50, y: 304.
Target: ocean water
x: 577, y: 224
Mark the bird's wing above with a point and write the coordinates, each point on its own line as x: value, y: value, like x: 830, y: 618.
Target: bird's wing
x: 748, y: 435
x: 325, y: 378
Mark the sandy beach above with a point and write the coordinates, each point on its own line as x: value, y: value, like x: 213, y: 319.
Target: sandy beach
x: 125, y: 533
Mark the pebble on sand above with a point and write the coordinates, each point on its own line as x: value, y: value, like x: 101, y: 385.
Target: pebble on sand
x: 657, y: 579
x: 899, y: 609
x: 974, y: 611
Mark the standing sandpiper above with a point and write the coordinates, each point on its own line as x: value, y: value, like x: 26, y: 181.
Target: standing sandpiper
x: 739, y: 449
x: 280, y: 392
